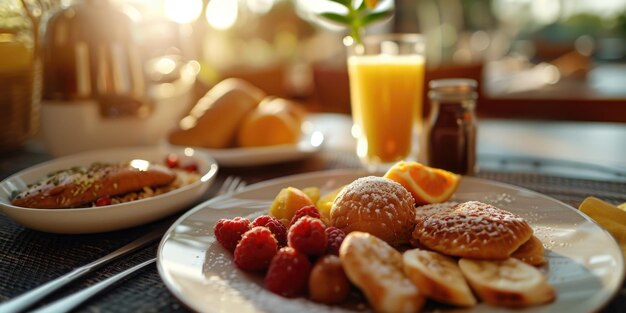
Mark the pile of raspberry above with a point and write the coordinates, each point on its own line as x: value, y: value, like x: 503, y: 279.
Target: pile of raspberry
x: 286, y: 251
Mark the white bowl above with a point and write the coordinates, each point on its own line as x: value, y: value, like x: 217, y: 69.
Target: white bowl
x: 111, y: 217
x: 69, y: 127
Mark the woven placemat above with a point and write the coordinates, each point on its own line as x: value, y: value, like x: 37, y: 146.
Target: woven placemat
x: 29, y: 258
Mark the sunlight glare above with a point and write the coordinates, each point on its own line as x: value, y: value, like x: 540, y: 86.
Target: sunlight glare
x: 141, y: 165
x: 221, y: 14
x: 317, y: 138
x: 260, y: 6
x: 182, y: 11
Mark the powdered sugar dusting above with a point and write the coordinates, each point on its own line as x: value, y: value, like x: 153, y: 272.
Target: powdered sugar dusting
x: 376, y: 205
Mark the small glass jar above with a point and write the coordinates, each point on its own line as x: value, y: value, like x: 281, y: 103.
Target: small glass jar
x: 451, y: 126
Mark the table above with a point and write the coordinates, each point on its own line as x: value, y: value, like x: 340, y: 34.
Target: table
x: 29, y: 258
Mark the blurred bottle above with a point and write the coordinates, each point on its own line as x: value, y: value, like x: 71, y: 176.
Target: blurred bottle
x: 20, y: 72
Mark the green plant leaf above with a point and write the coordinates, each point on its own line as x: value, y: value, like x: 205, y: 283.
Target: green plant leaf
x: 337, y: 18
x: 362, y: 6
x: 375, y: 16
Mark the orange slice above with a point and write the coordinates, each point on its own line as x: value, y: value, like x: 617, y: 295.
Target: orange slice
x: 426, y: 184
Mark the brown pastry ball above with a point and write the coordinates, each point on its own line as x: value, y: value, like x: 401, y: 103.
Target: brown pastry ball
x: 375, y: 205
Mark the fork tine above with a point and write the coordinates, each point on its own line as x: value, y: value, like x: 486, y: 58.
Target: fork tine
x: 234, y: 184
x: 225, y: 185
x: 242, y: 185
x: 231, y: 184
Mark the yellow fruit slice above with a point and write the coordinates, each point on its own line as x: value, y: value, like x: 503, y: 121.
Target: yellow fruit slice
x: 426, y: 184
x: 326, y: 202
x: 312, y: 192
x: 287, y: 202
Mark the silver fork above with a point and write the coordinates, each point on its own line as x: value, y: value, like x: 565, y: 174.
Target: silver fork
x: 231, y: 184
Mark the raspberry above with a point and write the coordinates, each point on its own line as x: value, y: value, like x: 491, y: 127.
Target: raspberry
x: 307, y: 236
x: 256, y: 249
x: 102, y: 201
x: 171, y: 160
x: 229, y: 232
x: 309, y: 210
x: 288, y: 274
x: 275, y: 226
x: 335, y: 237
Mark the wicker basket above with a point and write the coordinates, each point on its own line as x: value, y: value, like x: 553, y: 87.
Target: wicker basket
x: 20, y: 94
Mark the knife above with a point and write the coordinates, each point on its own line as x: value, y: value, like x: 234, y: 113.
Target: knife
x: 70, y: 302
x: 24, y: 301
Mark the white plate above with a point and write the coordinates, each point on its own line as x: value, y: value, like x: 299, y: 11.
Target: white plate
x: 111, y: 217
x: 310, y: 142
x: 585, y: 266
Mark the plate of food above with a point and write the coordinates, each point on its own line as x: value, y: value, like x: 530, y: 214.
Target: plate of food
x: 490, y: 247
x: 106, y: 190
x: 239, y: 125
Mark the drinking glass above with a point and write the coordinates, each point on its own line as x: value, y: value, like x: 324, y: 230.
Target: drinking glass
x: 20, y: 71
x: 386, y: 88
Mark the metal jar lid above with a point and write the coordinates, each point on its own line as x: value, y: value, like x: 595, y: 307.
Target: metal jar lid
x: 453, y: 88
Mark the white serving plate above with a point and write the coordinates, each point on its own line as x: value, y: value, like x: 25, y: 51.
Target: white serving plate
x: 111, y: 217
x: 585, y: 264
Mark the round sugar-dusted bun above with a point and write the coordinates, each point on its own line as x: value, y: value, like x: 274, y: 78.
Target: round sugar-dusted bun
x: 375, y: 205
x: 473, y: 230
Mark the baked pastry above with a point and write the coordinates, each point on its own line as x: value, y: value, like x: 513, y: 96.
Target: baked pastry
x: 376, y: 269
x: 426, y: 210
x: 273, y: 122
x: 531, y: 252
x: 473, y: 230
x: 375, y: 205
x: 213, y: 122
x: 438, y: 277
x: 276, y: 104
x: 80, y: 186
x: 509, y: 283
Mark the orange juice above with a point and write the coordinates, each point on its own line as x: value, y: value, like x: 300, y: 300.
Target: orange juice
x: 386, y: 97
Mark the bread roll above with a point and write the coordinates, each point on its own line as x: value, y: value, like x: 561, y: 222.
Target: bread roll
x: 375, y: 205
x: 213, y: 122
x: 271, y: 123
x: 275, y: 104
x: 473, y: 230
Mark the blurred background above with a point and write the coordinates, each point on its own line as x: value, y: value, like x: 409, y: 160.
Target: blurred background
x: 534, y: 59
x: 521, y: 50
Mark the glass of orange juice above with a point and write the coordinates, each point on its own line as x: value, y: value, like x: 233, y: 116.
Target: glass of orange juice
x: 386, y: 87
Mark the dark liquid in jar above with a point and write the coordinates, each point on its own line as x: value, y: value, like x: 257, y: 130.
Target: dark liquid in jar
x: 452, y: 139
